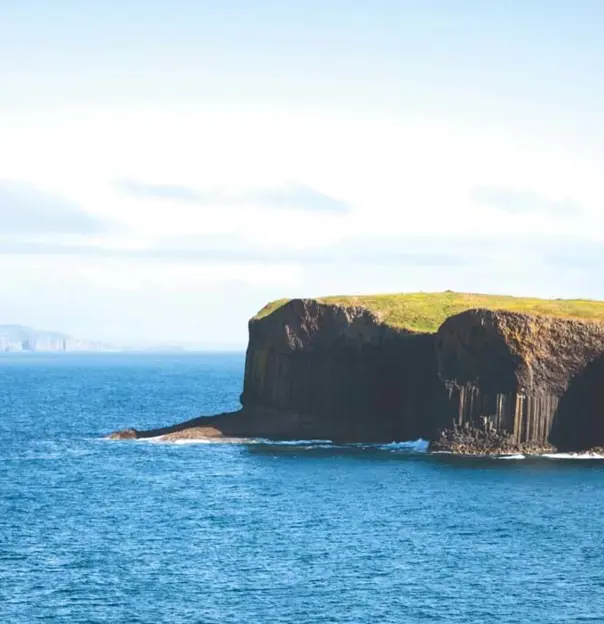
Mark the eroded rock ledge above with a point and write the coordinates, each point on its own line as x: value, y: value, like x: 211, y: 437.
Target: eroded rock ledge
x: 485, y: 382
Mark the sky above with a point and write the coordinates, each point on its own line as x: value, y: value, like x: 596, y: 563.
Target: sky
x: 168, y: 168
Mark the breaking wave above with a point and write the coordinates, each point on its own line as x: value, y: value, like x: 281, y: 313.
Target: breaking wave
x: 573, y: 456
x: 410, y: 446
x: 415, y: 446
x: 555, y: 456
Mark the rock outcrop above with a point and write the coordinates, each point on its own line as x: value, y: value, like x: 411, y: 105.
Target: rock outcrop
x: 486, y: 381
x: 348, y: 375
x: 509, y: 379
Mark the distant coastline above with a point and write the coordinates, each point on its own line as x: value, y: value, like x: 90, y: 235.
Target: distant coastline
x: 24, y: 339
x: 15, y: 339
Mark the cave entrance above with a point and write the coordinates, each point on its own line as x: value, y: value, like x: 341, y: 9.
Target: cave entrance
x: 579, y: 420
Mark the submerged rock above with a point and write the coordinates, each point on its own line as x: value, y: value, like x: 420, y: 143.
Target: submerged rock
x: 125, y: 434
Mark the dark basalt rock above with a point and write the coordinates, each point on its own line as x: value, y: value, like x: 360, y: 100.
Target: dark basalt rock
x: 579, y: 421
x: 356, y: 378
x: 472, y: 441
x: 511, y: 374
x: 486, y: 382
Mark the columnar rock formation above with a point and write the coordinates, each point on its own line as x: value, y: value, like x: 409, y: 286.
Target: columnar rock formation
x: 486, y: 381
x: 346, y: 374
x: 506, y: 373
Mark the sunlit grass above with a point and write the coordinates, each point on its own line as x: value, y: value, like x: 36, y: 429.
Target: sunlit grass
x: 425, y: 312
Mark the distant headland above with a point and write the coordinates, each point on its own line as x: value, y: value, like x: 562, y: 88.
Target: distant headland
x: 471, y: 373
x: 22, y: 339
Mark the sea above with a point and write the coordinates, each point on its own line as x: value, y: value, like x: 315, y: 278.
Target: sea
x: 98, y: 531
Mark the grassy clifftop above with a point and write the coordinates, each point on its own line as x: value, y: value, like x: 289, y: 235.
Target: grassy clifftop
x: 425, y: 312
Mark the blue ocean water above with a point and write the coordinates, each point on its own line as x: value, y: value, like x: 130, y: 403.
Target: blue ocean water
x: 99, y: 531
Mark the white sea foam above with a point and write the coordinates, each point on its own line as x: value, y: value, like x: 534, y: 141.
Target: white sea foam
x: 419, y: 445
x: 553, y: 456
x: 294, y: 442
x: 226, y: 440
x: 186, y: 441
x: 573, y: 456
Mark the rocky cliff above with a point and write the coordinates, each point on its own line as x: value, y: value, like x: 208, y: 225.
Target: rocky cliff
x: 487, y: 381
x: 349, y: 375
x: 511, y: 380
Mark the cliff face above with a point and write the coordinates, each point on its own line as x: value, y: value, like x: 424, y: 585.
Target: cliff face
x: 513, y: 379
x: 346, y: 374
x: 487, y: 380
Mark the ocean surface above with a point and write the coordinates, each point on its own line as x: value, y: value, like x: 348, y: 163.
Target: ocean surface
x: 99, y: 531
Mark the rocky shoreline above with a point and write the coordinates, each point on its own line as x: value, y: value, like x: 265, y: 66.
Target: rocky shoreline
x: 468, y: 442
x: 476, y: 442
x: 459, y: 445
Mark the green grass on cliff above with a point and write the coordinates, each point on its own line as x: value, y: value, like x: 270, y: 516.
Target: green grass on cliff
x: 425, y: 312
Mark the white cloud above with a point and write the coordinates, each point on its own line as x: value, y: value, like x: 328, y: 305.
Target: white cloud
x: 127, y: 274
x: 398, y: 177
x: 396, y: 174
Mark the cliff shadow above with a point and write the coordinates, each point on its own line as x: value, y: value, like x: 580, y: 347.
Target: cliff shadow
x: 579, y: 420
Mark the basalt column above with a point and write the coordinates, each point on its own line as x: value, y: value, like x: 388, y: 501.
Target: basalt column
x: 505, y: 374
x: 347, y: 375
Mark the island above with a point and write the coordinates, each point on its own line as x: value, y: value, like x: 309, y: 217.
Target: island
x: 470, y: 373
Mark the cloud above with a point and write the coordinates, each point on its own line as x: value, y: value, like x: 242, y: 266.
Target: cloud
x: 231, y: 248
x: 408, y: 251
x: 288, y: 197
x: 523, y: 202
x: 27, y: 210
x: 299, y: 197
x: 162, y: 191
x: 576, y: 253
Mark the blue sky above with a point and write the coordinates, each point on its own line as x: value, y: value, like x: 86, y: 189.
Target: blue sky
x: 167, y: 168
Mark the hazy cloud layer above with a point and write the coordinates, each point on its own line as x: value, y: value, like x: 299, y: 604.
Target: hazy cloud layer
x: 231, y: 249
x: 408, y: 251
x: 522, y: 202
x: 576, y: 253
x: 161, y: 191
x: 27, y: 210
x: 290, y: 197
x: 298, y: 197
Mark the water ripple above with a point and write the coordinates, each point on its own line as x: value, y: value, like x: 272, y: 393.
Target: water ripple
x: 95, y: 531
